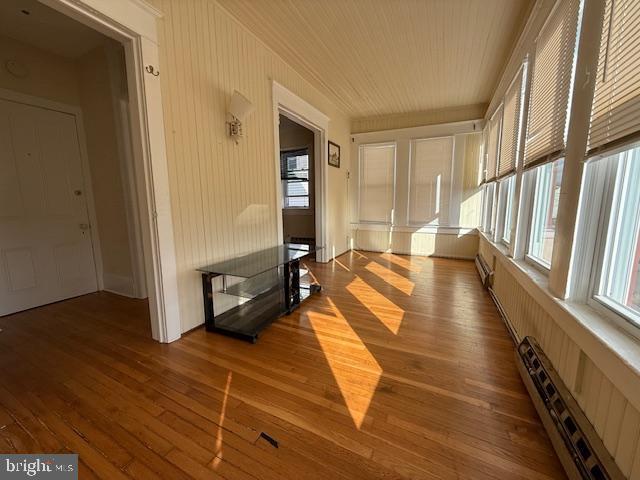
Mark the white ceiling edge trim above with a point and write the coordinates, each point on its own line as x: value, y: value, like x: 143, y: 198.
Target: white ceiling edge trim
x: 426, y: 131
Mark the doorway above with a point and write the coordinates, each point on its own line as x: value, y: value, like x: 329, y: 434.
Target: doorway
x: 296, y: 110
x: 55, y: 248
x: 297, y: 173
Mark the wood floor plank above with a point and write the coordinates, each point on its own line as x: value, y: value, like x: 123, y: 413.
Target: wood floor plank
x: 399, y: 369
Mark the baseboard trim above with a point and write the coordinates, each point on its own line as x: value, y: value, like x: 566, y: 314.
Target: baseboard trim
x: 119, y: 284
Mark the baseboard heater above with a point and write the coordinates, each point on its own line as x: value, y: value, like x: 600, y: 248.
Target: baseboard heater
x: 577, y: 444
x: 483, y: 270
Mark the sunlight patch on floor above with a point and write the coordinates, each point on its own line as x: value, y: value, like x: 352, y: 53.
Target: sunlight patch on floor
x: 389, y: 314
x: 403, y: 262
x: 392, y: 278
x: 357, y: 387
x: 218, y: 447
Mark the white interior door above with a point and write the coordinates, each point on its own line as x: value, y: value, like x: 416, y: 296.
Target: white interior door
x: 46, y: 251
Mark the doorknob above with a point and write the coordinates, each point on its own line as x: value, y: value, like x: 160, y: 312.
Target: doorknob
x: 84, y: 226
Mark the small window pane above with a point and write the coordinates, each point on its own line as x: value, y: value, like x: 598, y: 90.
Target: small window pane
x: 487, y: 215
x: 510, y: 187
x: 545, y: 211
x: 295, y: 179
x: 621, y: 273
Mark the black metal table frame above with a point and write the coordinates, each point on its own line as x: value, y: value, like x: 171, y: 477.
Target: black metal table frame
x: 291, y: 297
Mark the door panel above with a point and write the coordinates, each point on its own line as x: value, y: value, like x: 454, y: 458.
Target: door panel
x: 45, y: 243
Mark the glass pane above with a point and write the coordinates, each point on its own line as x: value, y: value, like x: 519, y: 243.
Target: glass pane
x: 300, y: 162
x: 298, y: 202
x: 296, y: 188
x: 545, y: 210
x: 623, y: 252
x: 510, y: 185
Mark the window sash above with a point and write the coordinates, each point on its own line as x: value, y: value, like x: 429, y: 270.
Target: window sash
x: 617, y: 285
x: 508, y: 186
x: 551, y: 83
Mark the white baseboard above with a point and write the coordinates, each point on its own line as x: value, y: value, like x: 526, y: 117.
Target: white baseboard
x: 119, y: 284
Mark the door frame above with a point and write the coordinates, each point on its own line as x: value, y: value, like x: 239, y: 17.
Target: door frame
x: 133, y: 24
x: 295, y: 108
x: 76, y: 112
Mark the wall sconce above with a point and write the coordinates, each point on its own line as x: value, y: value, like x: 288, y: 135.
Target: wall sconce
x: 239, y: 108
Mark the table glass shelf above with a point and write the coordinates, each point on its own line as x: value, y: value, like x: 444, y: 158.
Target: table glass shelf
x: 244, y: 294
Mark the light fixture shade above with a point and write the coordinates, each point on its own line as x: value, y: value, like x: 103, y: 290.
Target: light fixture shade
x: 240, y: 107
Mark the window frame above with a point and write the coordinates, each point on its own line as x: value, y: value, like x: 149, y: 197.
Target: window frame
x: 531, y: 187
x: 507, y: 185
x: 599, y: 190
x: 488, y: 215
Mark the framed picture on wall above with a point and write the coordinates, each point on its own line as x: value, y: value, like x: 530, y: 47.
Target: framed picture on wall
x: 334, y: 154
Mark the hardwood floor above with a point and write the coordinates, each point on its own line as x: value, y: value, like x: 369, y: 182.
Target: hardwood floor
x: 400, y: 368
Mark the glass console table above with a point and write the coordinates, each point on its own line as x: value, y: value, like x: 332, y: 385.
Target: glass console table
x: 245, y: 294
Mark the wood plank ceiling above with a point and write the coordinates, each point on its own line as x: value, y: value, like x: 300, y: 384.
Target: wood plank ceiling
x: 391, y: 57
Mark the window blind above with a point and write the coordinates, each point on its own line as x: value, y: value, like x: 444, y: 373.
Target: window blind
x: 616, y: 104
x: 551, y: 83
x: 377, y: 165
x: 485, y: 142
x: 511, y: 127
x: 430, y: 180
x: 493, y: 144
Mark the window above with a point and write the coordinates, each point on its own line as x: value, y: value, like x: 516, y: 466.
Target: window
x: 507, y: 192
x: 546, y: 195
x: 618, y: 285
x: 487, y: 207
x: 430, y: 180
x: 294, y: 168
x: 377, y: 180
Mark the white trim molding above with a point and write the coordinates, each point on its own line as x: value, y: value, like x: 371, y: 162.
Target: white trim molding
x: 295, y: 108
x: 133, y: 24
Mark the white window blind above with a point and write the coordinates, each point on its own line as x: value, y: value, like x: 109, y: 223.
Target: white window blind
x: 430, y: 180
x: 616, y: 103
x: 493, y: 144
x: 511, y: 126
x: 485, y: 143
x: 551, y: 82
x: 377, y: 172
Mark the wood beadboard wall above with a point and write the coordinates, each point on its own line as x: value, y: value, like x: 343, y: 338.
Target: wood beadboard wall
x: 223, y: 194
x: 449, y: 245
x: 614, y: 418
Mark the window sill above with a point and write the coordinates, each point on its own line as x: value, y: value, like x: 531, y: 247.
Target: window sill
x: 614, y: 350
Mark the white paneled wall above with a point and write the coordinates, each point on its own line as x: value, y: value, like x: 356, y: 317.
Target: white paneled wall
x: 450, y: 245
x: 223, y: 194
x: 613, y: 416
